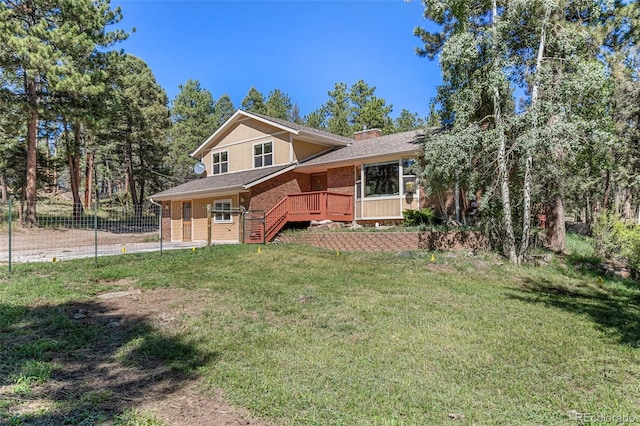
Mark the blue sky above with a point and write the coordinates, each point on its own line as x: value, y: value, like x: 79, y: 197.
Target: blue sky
x: 300, y: 47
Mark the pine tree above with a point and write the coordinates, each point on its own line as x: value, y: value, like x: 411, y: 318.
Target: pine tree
x: 42, y: 43
x: 194, y: 119
x: 254, y: 102
x: 278, y: 105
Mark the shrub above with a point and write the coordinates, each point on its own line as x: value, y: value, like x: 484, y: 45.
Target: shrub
x: 614, y: 239
x: 418, y: 217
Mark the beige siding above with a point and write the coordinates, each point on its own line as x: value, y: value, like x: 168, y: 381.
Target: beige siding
x: 219, y: 231
x: 176, y: 221
x: 381, y: 208
x: 304, y: 150
x: 239, y: 143
x: 410, y: 202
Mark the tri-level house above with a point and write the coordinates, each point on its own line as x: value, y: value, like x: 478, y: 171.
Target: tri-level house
x: 263, y: 173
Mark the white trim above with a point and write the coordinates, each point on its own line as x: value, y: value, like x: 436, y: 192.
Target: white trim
x: 203, y: 193
x: 212, y: 163
x: 228, y: 123
x: 253, y: 155
x: 368, y: 159
x: 290, y: 147
x: 241, y: 115
x: 226, y: 200
x: 269, y: 122
x: 385, y: 196
x: 381, y: 217
x: 255, y: 138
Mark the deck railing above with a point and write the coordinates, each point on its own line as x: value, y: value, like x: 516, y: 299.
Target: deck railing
x: 307, y: 206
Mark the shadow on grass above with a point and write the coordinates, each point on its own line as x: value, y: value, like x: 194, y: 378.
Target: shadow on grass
x: 617, y: 313
x: 83, y: 363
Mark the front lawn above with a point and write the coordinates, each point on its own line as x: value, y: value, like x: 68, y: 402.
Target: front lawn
x: 298, y: 335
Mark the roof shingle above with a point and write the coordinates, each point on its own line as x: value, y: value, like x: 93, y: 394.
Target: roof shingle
x: 220, y: 182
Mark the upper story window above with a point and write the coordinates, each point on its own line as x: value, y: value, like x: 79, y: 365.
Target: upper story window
x: 220, y: 162
x: 263, y: 154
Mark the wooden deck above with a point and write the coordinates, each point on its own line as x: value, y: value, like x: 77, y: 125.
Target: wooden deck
x: 305, y: 207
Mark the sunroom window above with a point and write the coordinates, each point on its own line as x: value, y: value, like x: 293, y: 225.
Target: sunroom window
x: 263, y: 154
x: 382, y: 179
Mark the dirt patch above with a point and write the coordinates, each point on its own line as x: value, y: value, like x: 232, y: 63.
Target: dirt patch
x: 43, y: 238
x: 135, y: 360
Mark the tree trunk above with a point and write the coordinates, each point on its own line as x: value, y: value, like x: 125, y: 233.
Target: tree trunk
x: 556, y: 237
x: 3, y: 189
x: 55, y: 169
x: 627, y: 210
x: 130, y: 176
x: 526, y: 187
x: 88, y: 179
x: 607, y: 190
x: 32, y: 150
x: 73, y: 159
x: 509, y: 237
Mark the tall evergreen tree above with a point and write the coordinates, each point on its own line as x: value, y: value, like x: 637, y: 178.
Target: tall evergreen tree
x: 42, y: 42
x: 278, y: 105
x: 223, y: 110
x: 407, y: 121
x: 254, y: 102
x: 338, y: 109
x: 138, y: 124
x: 194, y: 119
x: 367, y: 110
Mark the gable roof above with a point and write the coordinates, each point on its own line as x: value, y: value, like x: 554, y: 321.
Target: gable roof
x: 405, y: 143
x: 309, y: 133
x: 233, y: 181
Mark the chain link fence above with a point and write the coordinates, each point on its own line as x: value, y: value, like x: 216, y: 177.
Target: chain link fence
x: 62, y: 231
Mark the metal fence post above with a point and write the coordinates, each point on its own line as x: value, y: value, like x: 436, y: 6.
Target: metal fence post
x: 160, y: 226
x: 95, y: 232
x: 10, y: 208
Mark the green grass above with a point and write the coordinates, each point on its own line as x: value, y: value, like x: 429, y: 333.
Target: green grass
x: 304, y: 336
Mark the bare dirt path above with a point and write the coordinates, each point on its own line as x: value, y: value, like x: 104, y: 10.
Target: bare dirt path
x: 129, y: 363
x: 175, y: 401
x: 45, y: 244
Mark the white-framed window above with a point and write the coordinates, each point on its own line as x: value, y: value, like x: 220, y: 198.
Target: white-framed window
x: 381, y: 179
x: 409, y: 182
x: 222, y: 211
x: 263, y: 154
x: 220, y: 162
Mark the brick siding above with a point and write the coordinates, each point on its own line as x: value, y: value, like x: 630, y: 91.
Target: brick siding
x: 387, y: 241
x: 267, y: 194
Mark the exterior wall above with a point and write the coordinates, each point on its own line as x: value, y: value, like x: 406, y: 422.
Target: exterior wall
x: 411, y: 201
x: 304, y: 150
x: 388, y: 241
x: 372, y: 208
x: 341, y: 180
x: 239, y: 143
x: 219, y: 231
x: 166, y: 221
x: 267, y: 194
x: 176, y: 220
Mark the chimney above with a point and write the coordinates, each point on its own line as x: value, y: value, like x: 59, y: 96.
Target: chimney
x: 367, y: 134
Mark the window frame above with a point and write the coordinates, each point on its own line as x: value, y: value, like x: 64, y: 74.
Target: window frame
x: 364, y: 181
x: 408, y: 176
x: 218, y: 215
x: 262, y: 155
x: 219, y: 163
